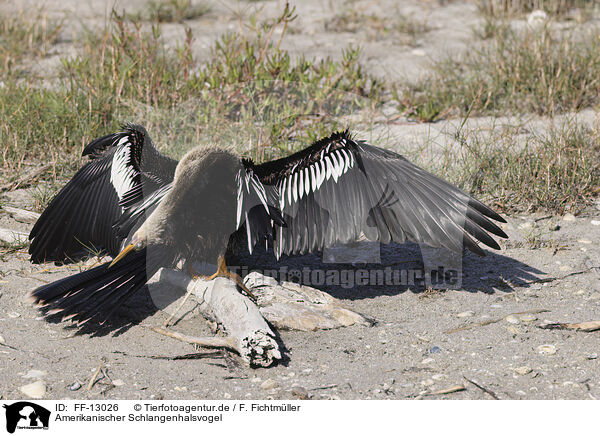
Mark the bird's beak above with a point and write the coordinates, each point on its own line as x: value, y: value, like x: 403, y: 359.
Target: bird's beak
x: 122, y: 254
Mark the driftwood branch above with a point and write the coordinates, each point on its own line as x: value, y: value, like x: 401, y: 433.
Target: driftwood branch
x: 21, y: 215
x: 25, y: 180
x: 219, y: 300
x: 8, y: 236
x: 284, y: 305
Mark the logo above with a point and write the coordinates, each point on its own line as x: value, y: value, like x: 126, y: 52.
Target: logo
x: 26, y: 415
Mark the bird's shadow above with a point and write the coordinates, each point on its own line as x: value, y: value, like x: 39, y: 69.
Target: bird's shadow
x: 403, y: 263
x: 400, y: 268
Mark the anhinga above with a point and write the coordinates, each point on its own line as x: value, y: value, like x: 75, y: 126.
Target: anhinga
x: 157, y: 212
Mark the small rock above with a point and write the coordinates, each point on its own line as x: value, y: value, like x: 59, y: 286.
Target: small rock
x: 528, y: 318
x: 564, y: 268
x: 300, y: 392
x: 439, y: 377
x: 595, y: 223
x: 522, y: 370
x: 427, y: 382
x: 546, y: 349
x: 419, y: 52
x: 118, y: 382
x: 35, y: 373
x: 512, y: 329
x: 435, y: 349
x: 13, y: 314
x: 227, y: 395
x: 307, y: 371
x: 584, y: 241
x: 181, y: 388
x: 2, y: 340
x: 34, y: 390
x: 592, y: 356
x: 75, y: 386
x: 569, y: 217
x: 255, y: 380
x: 269, y: 384
x: 465, y: 314
x: 511, y: 319
x: 427, y: 360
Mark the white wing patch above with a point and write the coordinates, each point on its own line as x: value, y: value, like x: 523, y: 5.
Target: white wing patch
x: 250, y: 192
x: 122, y: 175
x: 302, y: 181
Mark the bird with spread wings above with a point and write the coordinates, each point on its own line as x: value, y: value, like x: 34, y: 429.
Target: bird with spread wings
x: 149, y: 211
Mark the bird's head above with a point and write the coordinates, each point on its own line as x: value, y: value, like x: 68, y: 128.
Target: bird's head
x: 137, y: 243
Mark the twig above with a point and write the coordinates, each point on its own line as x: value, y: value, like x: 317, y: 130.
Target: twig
x: 483, y: 388
x: 492, y: 321
x: 323, y: 387
x: 208, y: 342
x: 168, y: 320
x: 93, y: 379
x: 189, y: 356
x: 25, y: 180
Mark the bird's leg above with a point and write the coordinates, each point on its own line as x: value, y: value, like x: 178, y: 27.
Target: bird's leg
x: 222, y: 271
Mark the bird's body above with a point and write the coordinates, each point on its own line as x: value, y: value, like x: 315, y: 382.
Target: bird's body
x: 333, y: 192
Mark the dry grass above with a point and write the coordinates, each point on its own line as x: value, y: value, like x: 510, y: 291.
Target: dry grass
x: 531, y: 72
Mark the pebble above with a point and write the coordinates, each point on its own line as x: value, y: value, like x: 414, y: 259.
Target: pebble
x: 564, y: 268
x: 584, y: 241
x: 34, y: 390
x: 13, y: 314
x: 75, y: 386
x: 255, y: 380
x: 512, y: 329
x: 511, y: 319
x: 595, y: 222
x: 35, y: 373
x: 546, y: 349
x: 2, y: 340
x: 435, y: 349
x: 269, y: 384
x: 181, y: 389
x: 592, y: 356
x: 522, y: 370
x: 426, y: 361
x: 427, y: 382
x: 439, y: 377
x: 465, y: 314
x: 300, y: 392
x: 118, y: 382
x: 569, y: 217
x: 227, y: 395
x: 528, y: 318
x: 307, y: 371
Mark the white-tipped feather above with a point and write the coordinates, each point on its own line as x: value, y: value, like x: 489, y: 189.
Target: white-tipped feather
x: 329, y: 167
x: 300, y: 184
x: 295, y: 188
x: 289, y: 179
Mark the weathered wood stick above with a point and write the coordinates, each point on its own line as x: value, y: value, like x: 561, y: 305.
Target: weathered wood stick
x: 220, y: 301
x: 12, y: 236
x: 21, y: 215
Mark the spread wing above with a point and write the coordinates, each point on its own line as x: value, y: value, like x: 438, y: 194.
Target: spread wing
x: 339, y: 189
x: 81, y: 217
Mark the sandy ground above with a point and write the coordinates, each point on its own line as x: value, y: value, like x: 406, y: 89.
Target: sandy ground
x: 410, y: 351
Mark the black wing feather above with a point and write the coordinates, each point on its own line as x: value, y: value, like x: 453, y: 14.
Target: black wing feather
x: 374, y: 192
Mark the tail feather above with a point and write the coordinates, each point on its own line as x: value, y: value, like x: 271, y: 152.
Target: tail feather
x: 95, y: 294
